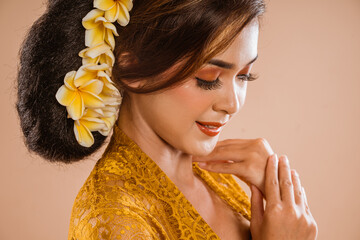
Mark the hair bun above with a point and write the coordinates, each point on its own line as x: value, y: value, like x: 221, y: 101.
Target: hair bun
x: 49, y: 51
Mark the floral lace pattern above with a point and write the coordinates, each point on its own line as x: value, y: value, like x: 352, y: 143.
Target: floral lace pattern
x: 128, y: 196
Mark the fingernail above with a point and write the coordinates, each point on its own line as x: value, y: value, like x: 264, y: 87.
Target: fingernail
x: 274, y: 156
x: 284, y: 158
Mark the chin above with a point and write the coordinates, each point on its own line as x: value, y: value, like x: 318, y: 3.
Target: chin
x: 203, y: 148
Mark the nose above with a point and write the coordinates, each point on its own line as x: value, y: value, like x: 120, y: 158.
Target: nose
x: 229, y: 99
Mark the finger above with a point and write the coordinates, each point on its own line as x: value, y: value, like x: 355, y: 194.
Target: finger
x: 298, y: 192
x: 307, y: 209
x: 233, y: 152
x: 257, y: 206
x: 215, y: 161
x: 224, y: 167
x: 305, y: 198
x: 286, y: 186
x: 230, y: 168
x: 272, y: 191
x: 230, y: 141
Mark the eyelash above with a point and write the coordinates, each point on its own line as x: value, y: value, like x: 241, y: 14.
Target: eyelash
x: 210, y: 85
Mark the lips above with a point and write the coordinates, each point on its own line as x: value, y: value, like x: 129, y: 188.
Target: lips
x: 215, y: 124
x: 210, y: 131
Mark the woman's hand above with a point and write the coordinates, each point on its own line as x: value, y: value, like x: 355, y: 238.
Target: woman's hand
x: 244, y: 158
x: 287, y: 215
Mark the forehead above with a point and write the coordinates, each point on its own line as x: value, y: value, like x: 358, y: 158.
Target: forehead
x: 243, y: 48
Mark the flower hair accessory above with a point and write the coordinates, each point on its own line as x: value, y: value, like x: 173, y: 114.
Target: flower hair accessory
x: 89, y: 94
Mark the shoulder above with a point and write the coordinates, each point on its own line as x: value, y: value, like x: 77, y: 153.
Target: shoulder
x: 108, y: 207
x: 111, y: 184
x: 120, y: 223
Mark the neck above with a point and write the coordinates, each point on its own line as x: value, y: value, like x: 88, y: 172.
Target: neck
x: 177, y: 165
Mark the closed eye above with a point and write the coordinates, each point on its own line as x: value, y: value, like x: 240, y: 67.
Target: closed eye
x: 210, y: 85
x: 244, y: 77
x: 247, y: 77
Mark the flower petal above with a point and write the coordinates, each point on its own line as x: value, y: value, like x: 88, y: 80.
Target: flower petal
x: 124, y: 16
x: 82, y: 76
x: 97, y: 50
x: 94, y: 36
x: 109, y: 71
x: 101, y: 20
x: 104, y: 4
x: 109, y: 121
x: 89, y: 20
x: 107, y: 58
x: 110, y: 58
x: 110, y: 100
x: 83, y: 135
x: 94, y: 86
x: 111, y: 27
x: 128, y: 4
x: 65, y: 96
x: 76, y: 107
x: 93, y: 124
x: 104, y: 77
x: 91, y: 100
x: 102, y: 74
x: 86, y: 59
x: 105, y: 131
x: 109, y: 111
x: 109, y: 38
x: 114, y: 103
x: 112, y: 14
x: 69, y: 80
x: 94, y: 113
x: 82, y: 53
x: 110, y: 90
x: 95, y: 68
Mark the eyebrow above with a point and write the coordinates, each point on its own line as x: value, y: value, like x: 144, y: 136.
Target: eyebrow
x: 226, y: 65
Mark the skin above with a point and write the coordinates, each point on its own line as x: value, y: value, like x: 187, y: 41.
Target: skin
x: 163, y: 125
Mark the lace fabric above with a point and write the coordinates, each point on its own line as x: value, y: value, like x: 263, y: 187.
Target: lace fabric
x: 128, y: 196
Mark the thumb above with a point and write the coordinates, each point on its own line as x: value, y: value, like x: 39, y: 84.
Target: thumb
x: 257, y: 206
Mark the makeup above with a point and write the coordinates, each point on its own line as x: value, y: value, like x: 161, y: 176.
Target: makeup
x: 210, y: 128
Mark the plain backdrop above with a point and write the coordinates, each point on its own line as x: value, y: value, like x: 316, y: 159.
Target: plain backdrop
x: 306, y: 103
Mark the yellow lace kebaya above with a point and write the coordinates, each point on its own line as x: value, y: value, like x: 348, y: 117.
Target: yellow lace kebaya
x: 128, y: 196
x: 90, y: 97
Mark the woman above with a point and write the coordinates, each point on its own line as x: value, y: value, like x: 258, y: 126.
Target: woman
x: 180, y: 71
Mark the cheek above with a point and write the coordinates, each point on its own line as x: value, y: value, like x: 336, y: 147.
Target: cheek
x: 191, y: 100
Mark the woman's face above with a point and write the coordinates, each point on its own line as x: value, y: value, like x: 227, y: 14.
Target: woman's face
x: 173, y: 114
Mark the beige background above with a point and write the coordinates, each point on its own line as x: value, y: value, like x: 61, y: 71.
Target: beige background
x: 306, y: 103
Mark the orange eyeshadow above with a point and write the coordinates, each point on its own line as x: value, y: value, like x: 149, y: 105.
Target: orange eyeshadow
x: 208, y: 73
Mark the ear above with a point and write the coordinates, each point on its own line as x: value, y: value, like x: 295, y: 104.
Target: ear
x: 125, y: 59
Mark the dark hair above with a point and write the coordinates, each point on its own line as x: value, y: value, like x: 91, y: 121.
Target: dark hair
x: 160, y: 34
